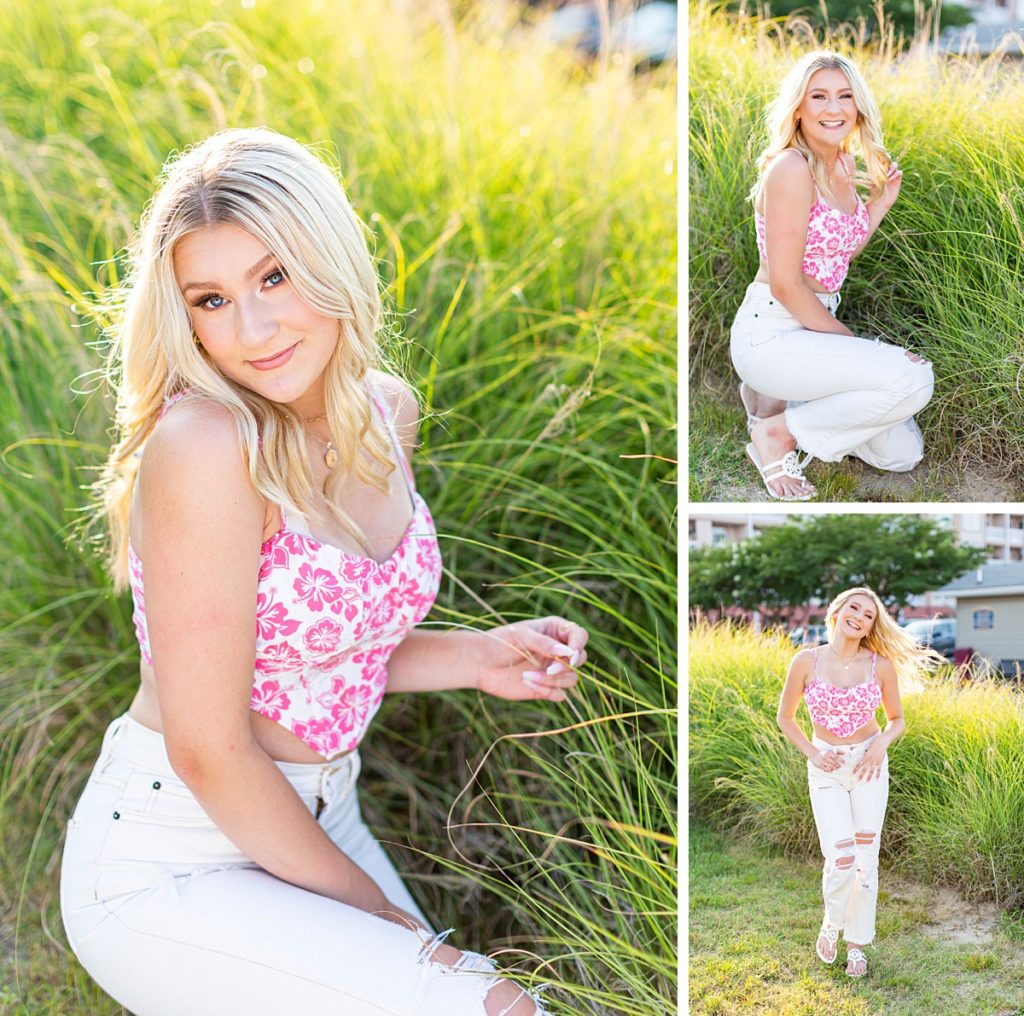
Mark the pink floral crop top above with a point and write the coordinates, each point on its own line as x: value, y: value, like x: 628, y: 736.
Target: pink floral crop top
x: 842, y: 711
x: 326, y: 622
x: 832, y: 238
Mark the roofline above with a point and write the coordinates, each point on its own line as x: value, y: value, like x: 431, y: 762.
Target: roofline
x: 985, y: 591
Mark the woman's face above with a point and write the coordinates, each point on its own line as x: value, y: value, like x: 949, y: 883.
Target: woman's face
x: 856, y: 617
x: 828, y: 111
x: 251, y: 322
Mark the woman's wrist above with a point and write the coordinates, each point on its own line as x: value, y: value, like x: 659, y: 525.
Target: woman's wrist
x: 436, y: 660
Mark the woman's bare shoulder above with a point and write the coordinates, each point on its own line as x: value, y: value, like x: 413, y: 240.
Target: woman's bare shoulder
x: 195, y: 452
x: 790, y: 165
x: 803, y: 661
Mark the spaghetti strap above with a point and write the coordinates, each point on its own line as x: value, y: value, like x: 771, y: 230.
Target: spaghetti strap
x: 874, y: 656
x: 814, y: 654
x: 385, y: 411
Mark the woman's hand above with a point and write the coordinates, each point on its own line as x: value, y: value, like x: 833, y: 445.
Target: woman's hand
x: 533, y: 659
x: 891, y: 191
x: 870, y: 766
x: 827, y: 761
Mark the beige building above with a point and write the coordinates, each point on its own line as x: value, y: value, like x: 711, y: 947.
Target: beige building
x: 710, y: 529
x: 990, y: 613
x: 1001, y: 533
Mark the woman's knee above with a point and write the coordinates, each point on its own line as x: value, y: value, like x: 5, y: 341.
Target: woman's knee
x: 915, y: 383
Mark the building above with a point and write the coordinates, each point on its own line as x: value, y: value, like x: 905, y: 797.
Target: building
x: 990, y: 613
x: 1002, y: 533
x: 710, y: 530
x: 997, y: 23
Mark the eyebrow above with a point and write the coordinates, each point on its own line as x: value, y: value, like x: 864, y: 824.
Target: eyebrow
x: 213, y: 285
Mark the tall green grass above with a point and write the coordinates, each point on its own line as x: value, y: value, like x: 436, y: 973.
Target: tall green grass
x: 524, y: 214
x: 941, y: 276
x: 956, y: 800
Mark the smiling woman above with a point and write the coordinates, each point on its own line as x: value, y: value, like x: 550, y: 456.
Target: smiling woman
x: 843, y: 684
x: 807, y: 382
x: 264, y: 512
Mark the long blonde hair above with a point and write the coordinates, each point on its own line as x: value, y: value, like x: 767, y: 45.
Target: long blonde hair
x: 886, y: 637
x: 783, y: 131
x: 282, y: 194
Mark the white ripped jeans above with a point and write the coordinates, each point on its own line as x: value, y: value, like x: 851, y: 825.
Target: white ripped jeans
x: 171, y: 918
x: 846, y: 395
x: 849, y: 813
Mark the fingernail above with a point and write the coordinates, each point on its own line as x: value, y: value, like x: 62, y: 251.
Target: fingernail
x: 555, y: 668
x: 563, y: 651
x: 575, y: 658
x: 532, y: 676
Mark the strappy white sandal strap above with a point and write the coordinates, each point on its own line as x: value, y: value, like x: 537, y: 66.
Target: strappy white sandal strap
x: 789, y: 465
x: 854, y: 955
x: 831, y: 935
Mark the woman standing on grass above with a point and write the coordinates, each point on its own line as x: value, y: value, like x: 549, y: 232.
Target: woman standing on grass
x: 264, y: 513
x: 843, y: 684
x: 808, y: 382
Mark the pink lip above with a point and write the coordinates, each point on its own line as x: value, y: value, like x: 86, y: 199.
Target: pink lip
x: 272, y: 362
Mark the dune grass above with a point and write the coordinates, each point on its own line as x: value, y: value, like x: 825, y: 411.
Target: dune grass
x: 956, y: 800
x: 523, y: 210
x: 942, y: 275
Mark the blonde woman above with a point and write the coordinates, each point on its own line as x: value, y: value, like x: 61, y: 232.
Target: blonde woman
x: 843, y: 683
x: 808, y: 382
x: 263, y: 511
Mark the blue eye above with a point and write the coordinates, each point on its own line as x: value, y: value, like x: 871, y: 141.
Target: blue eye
x: 275, y: 274
x: 207, y: 301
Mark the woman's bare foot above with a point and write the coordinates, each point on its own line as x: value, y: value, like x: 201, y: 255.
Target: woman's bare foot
x: 856, y: 961
x: 827, y: 945
x: 772, y: 440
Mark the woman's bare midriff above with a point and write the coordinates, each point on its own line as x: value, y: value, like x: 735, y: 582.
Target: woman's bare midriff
x: 868, y: 730
x: 762, y: 276
x: 278, y: 742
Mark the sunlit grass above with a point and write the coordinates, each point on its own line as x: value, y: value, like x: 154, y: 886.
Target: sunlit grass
x: 956, y: 802
x: 524, y: 215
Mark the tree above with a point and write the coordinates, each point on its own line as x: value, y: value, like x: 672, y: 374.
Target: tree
x: 901, y: 14
x: 818, y: 556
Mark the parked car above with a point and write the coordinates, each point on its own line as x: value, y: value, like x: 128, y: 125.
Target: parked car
x: 809, y: 635
x: 937, y: 632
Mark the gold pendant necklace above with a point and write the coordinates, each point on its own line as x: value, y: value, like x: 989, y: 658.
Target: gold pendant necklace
x: 330, y: 452
x: 842, y: 659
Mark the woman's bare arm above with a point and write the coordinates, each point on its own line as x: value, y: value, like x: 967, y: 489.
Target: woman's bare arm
x: 202, y: 528
x: 788, y: 194
x: 885, y: 674
x: 789, y: 701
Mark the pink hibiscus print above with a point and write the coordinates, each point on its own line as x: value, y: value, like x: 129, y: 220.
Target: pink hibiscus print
x: 356, y: 569
x: 268, y: 699
x: 317, y: 587
x: 319, y: 734
x: 278, y: 658
x: 353, y: 706
x: 323, y: 637
x: 272, y: 618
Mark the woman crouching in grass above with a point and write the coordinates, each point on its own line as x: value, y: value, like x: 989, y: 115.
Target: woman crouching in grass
x: 843, y: 684
x: 808, y: 382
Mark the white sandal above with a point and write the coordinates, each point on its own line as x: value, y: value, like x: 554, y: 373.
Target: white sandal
x: 856, y: 956
x: 790, y: 465
x: 830, y: 935
x: 746, y: 398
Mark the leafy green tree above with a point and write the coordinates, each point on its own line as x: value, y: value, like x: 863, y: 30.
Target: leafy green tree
x: 817, y: 556
x: 901, y: 14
